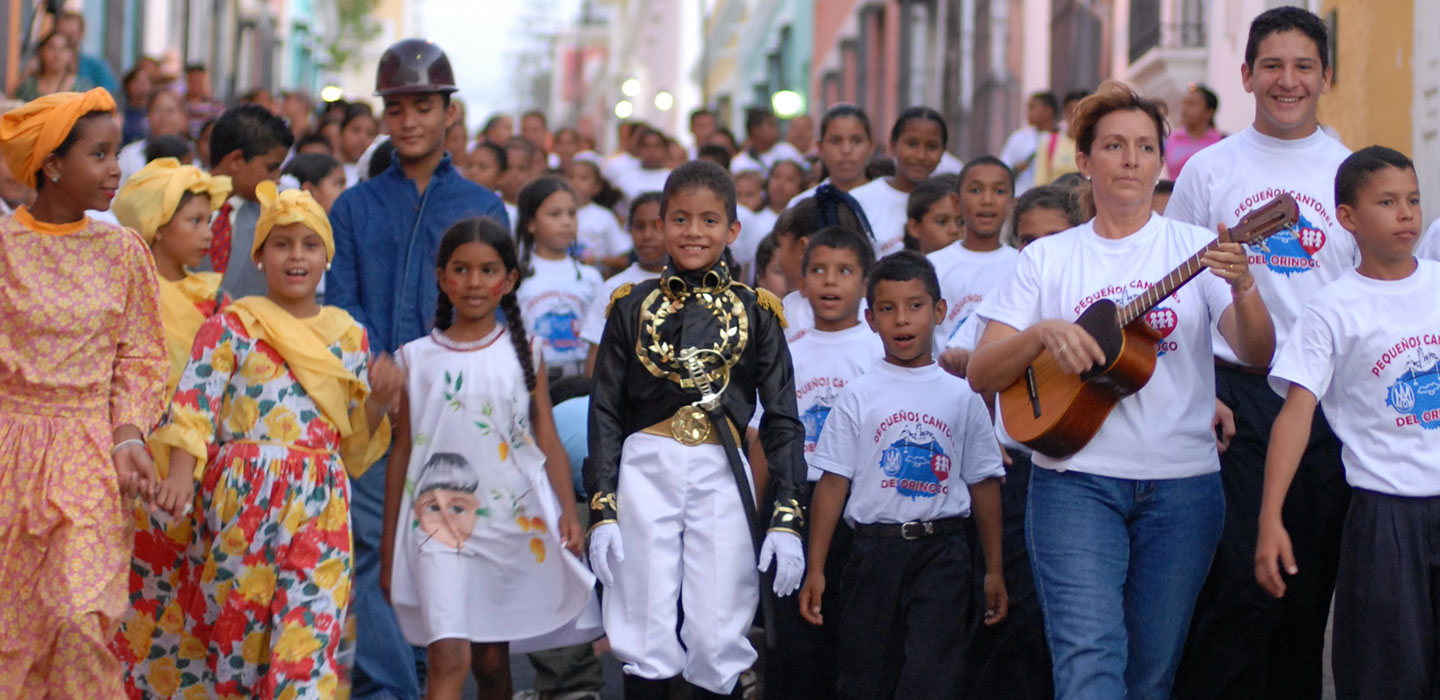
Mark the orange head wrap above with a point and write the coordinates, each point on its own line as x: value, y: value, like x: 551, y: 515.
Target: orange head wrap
x: 34, y: 130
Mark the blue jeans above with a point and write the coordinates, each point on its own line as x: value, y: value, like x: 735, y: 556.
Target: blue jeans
x: 384, y: 662
x: 1118, y: 564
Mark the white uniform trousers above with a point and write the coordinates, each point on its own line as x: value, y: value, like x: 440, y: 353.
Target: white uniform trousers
x: 683, y: 530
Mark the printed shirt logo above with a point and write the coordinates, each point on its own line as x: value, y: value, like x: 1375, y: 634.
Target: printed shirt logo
x: 814, y: 420
x: 915, y: 465
x: 1291, y: 251
x: 1163, y: 320
x: 1415, y: 395
x: 560, y: 329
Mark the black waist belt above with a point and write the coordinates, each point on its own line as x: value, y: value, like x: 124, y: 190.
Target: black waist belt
x: 913, y: 530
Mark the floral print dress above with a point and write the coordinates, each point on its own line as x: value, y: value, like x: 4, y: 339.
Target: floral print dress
x: 160, y: 542
x: 476, y: 551
x: 265, y: 586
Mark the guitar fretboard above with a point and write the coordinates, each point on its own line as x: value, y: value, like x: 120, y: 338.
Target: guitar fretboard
x: 1141, y: 305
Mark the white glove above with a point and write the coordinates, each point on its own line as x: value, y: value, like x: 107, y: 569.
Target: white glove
x: 784, y: 549
x: 605, y: 543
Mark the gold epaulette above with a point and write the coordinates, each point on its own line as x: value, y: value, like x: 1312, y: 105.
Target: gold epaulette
x: 620, y: 293
x: 768, y: 300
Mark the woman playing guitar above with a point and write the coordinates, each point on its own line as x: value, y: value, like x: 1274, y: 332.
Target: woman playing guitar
x: 1121, y: 532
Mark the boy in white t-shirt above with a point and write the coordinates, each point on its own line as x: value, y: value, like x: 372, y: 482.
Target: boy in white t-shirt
x: 1236, y: 647
x: 974, y: 265
x: 648, y: 242
x: 1367, y: 349
x: 827, y: 357
x: 652, y: 173
x: 892, y: 442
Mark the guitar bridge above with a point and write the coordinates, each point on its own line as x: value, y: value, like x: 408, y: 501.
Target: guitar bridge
x: 1031, y: 389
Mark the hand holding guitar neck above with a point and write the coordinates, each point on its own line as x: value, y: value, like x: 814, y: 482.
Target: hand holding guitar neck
x: 1229, y: 262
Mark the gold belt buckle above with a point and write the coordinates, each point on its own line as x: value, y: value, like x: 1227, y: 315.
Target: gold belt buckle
x: 690, y: 426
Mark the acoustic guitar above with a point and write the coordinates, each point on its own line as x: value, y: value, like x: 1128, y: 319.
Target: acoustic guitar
x: 1057, y: 414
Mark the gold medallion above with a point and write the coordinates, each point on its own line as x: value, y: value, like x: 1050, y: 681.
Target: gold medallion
x: 690, y: 426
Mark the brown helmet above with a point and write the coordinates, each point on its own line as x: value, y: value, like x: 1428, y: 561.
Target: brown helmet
x: 414, y: 65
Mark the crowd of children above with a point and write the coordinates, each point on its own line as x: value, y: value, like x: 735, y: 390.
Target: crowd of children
x: 791, y: 360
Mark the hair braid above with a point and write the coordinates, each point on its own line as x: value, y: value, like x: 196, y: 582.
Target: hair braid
x: 516, y: 325
x: 444, y: 311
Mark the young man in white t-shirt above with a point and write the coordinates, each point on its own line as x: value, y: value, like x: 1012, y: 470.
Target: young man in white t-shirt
x: 648, y: 243
x: 1367, y: 349
x: 827, y: 358
x: 763, y: 146
x: 972, y: 266
x: 652, y: 173
x: 892, y: 443
x: 1237, y: 647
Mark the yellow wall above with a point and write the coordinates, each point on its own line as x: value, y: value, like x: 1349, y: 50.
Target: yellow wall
x: 1370, y: 101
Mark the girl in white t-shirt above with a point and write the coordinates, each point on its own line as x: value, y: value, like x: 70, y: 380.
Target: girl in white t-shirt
x: 556, y: 288
x: 916, y: 141
x: 1122, y: 532
x: 845, y: 149
x: 599, y: 240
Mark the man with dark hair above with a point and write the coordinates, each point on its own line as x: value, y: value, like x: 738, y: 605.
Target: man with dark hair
x: 248, y: 144
x: 387, y: 232
x: 702, y: 125
x: 535, y: 129
x: 762, y: 143
x: 88, y: 66
x: 200, y: 103
x: 1243, y: 642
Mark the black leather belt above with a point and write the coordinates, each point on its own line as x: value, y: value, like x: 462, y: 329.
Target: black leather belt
x: 913, y: 530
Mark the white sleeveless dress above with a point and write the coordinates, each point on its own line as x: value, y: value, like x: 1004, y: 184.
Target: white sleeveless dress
x: 477, y: 554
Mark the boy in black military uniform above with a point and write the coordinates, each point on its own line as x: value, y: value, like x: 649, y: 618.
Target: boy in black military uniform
x: 679, y: 366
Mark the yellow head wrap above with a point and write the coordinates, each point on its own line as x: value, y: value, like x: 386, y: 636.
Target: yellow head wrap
x: 35, y: 129
x: 290, y: 207
x: 150, y: 197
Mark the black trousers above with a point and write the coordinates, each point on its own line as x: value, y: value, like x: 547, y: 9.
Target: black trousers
x: 1387, y: 600
x: 1244, y: 643
x: 802, y: 664
x: 908, y: 618
x: 1011, y: 660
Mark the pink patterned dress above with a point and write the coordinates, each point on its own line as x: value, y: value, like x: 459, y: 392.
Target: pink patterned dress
x: 81, y: 353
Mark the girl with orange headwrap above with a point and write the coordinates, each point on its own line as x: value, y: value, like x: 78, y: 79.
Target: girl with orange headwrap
x: 82, y: 368
x: 169, y: 205
x: 287, y: 389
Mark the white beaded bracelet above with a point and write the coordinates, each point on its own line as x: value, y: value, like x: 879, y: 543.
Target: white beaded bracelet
x: 126, y: 443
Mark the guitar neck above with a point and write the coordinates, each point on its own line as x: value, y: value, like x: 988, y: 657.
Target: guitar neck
x: 1141, y: 305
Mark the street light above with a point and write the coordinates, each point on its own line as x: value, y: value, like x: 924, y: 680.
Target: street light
x: 787, y: 104
x: 624, y: 109
x: 630, y: 87
x: 331, y: 93
x: 664, y: 101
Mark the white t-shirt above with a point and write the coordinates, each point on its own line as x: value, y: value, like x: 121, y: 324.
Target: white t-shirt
x: 512, y: 211
x: 965, y: 278
x: 1021, y: 145
x: 1370, y: 350
x: 754, y: 227
x: 781, y: 151
x: 617, y: 166
x: 553, y: 302
x: 593, y: 329
x: 132, y: 159
x: 825, y: 362
x: 1162, y: 431
x: 598, y: 233
x: 1429, y: 246
x: 898, y: 434
x: 884, y: 208
x: 1225, y: 181
x: 641, y: 180
x: 949, y: 165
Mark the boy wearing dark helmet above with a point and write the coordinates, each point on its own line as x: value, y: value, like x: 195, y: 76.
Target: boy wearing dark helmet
x: 387, y: 231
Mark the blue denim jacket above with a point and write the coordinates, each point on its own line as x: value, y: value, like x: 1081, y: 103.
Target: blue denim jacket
x: 386, y: 238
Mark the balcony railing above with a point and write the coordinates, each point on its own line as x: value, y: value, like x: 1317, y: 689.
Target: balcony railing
x: 1148, y: 35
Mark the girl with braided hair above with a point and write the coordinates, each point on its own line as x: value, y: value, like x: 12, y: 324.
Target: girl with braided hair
x: 486, y: 552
